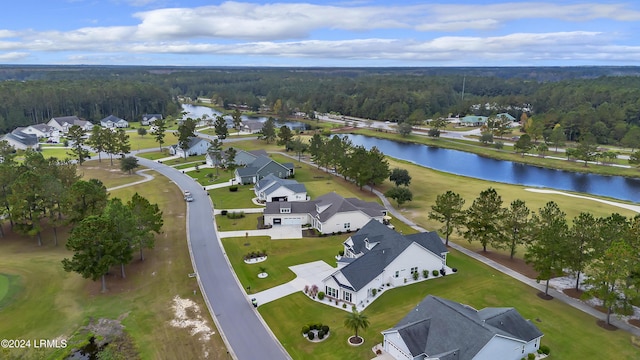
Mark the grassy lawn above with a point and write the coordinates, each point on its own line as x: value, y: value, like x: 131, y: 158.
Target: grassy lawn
x: 60, y: 153
x: 189, y: 164
x: 248, y: 222
x: 148, y: 141
x: 111, y: 176
x: 189, y: 160
x: 202, y: 177
x: 568, y: 332
x: 9, y: 287
x: 55, y: 303
x: 280, y: 255
x: 155, y: 155
x: 224, y: 199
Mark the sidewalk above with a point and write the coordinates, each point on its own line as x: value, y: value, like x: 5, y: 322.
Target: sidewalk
x: 218, y: 186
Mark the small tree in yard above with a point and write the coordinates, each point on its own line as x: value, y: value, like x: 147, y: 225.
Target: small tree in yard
x: 523, y: 145
x: 356, y: 321
x: 483, y: 218
x: 400, y: 177
x: 142, y: 132
x: 448, y: 210
x: 128, y: 164
x: 400, y: 194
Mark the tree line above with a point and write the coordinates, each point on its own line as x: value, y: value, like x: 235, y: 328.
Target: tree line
x: 39, y: 192
x: 603, y: 251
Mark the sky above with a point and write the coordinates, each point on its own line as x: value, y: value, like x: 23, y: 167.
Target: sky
x: 350, y: 33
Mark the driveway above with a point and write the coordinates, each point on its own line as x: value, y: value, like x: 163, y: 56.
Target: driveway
x: 242, y: 329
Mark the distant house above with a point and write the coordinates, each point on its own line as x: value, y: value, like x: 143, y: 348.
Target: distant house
x: 65, y: 122
x: 506, y: 116
x: 149, y: 119
x: 473, y: 120
x: 272, y: 188
x: 257, y: 167
x: 446, y: 330
x: 241, y: 159
x: 196, y: 146
x: 40, y: 130
x: 252, y: 126
x: 20, y: 140
x: 112, y: 122
x: 376, y: 256
x: 329, y: 213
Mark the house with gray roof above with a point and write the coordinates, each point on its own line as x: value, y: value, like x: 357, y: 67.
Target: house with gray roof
x: 473, y: 120
x: 272, y: 188
x: 113, y: 121
x: 20, y: 140
x: 329, y: 213
x: 149, y: 119
x: 196, y: 146
x: 446, y: 330
x: 257, y: 167
x: 40, y: 130
x: 378, y: 258
x: 63, y: 123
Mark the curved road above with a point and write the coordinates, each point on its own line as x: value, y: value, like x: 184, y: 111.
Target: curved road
x: 244, y: 332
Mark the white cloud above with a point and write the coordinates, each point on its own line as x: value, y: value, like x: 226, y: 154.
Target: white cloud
x: 13, y: 56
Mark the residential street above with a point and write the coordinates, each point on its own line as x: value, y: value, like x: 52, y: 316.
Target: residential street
x: 243, y: 330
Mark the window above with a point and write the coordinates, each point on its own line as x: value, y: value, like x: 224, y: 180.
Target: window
x: 414, y: 270
x: 346, y: 296
x: 347, y: 225
x: 285, y: 210
x: 331, y: 292
x: 397, y: 273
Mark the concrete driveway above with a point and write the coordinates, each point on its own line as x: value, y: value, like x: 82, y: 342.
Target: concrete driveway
x: 306, y: 274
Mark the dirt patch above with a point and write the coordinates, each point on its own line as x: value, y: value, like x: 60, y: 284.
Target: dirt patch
x: 572, y: 292
x: 187, y: 315
x: 635, y: 322
x: 116, y: 284
x: 603, y: 324
x: 518, y: 265
x: 544, y: 296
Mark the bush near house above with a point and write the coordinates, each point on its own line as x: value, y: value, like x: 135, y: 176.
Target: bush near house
x: 435, y: 273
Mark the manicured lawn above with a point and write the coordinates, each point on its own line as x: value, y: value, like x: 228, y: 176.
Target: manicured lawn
x: 9, y: 287
x: 569, y: 333
x: 224, y: 199
x: 248, y: 222
x: 219, y: 176
x: 148, y: 141
x: 111, y: 176
x: 53, y: 303
x: 280, y: 255
x: 60, y: 153
x: 155, y: 155
x: 181, y: 160
x: 189, y: 164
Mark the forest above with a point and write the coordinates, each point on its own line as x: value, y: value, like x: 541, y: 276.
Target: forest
x: 600, y: 101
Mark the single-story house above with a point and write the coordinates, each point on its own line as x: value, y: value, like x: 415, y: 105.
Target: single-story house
x: 63, y: 123
x: 446, y: 330
x: 260, y: 167
x: 473, y: 120
x: 272, y: 188
x: 40, y: 130
x: 149, y: 119
x: 242, y: 157
x: 196, y: 146
x: 112, y: 121
x: 506, y: 116
x: 329, y: 213
x: 20, y: 140
x: 376, y: 256
x: 252, y: 126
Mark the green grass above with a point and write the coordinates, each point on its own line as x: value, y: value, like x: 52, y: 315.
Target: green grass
x: 248, y: 222
x: 280, y: 255
x: 202, y: 178
x: 60, y: 153
x: 9, y: 287
x: 148, y: 141
x: 224, y: 199
x: 569, y: 333
x: 155, y: 155
x: 189, y: 164
x: 181, y: 160
x: 53, y: 303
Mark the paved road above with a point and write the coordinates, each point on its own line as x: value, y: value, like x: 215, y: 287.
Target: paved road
x: 246, y: 335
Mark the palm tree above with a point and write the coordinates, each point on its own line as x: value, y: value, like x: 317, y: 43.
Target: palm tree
x: 356, y: 320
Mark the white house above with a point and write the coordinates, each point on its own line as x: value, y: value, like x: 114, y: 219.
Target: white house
x: 446, y: 330
x: 329, y: 213
x: 112, y: 121
x: 149, y: 119
x: 41, y: 131
x: 63, y: 123
x: 272, y: 188
x: 196, y: 146
x: 20, y: 140
x: 377, y: 256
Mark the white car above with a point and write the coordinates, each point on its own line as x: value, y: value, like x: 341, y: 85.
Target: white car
x: 187, y: 196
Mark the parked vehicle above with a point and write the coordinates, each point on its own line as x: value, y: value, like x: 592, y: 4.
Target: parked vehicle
x: 187, y: 196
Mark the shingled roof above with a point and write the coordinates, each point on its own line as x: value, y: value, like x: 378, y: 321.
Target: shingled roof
x: 438, y: 327
x: 271, y: 183
x: 379, y: 246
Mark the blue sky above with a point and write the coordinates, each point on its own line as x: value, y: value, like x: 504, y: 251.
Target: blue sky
x: 320, y: 33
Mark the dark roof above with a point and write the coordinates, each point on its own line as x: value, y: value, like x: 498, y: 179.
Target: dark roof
x: 23, y: 138
x: 112, y: 118
x: 42, y: 127
x: 271, y: 183
x: 331, y: 203
x: 441, y: 326
x: 149, y: 116
x: 193, y: 141
x: 66, y: 119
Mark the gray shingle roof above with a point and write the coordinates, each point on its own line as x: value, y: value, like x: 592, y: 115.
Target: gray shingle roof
x: 112, y: 118
x: 440, y: 326
x: 28, y: 140
x: 332, y: 203
x: 271, y: 183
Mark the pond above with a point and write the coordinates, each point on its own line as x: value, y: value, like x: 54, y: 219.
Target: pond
x: 196, y: 111
x: 476, y: 166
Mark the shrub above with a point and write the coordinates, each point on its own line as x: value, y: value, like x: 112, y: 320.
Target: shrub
x: 223, y: 212
x: 415, y: 275
x: 321, y: 295
x: 545, y: 349
x: 339, y: 232
x: 233, y: 188
x: 235, y: 215
x: 319, y: 326
x: 344, y: 306
x: 374, y: 292
x: 325, y: 328
x: 498, y: 145
x: 341, y: 252
x: 425, y: 274
x: 306, y: 289
x: 311, y: 335
x: 312, y: 327
x: 454, y: 270
x: 320, y: 334
x: 435, y: 273
x: 531, y: 356
x: 305, y: 329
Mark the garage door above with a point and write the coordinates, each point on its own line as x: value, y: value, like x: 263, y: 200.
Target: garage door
x: 291, y: 221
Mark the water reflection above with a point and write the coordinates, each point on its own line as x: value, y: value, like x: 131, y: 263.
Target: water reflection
x: 472, y: 165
